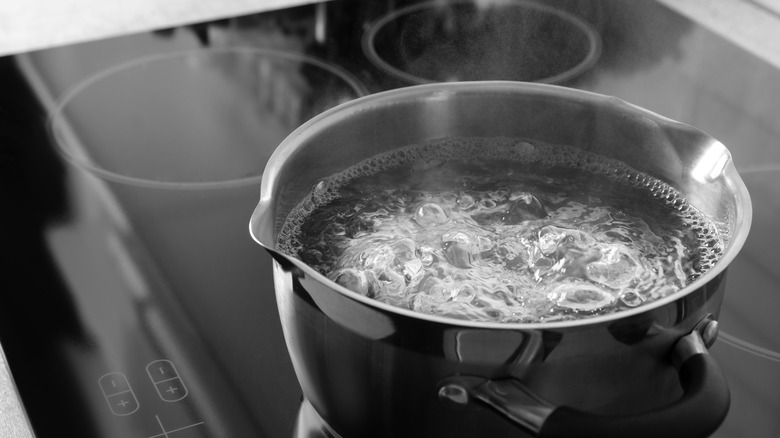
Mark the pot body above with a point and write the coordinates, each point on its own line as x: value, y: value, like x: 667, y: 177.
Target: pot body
x: 369, y: 372
x: 369, y: 369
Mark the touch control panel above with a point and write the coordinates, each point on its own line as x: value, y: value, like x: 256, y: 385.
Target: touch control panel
x: 151, y: 401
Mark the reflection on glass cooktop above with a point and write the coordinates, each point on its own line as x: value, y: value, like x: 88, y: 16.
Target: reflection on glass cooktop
x: 169, y: 329
x: 748, y: 347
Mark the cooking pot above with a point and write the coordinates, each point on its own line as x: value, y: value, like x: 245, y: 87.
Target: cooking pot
x: 371, y: 369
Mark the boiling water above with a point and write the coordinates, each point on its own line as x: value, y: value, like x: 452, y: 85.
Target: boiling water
x: 501, y: 230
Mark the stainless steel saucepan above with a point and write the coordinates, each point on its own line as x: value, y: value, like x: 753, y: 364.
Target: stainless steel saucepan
x: 370, y: 369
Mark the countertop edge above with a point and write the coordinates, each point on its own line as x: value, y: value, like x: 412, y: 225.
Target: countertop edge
x: 749, y: 24
x: 13, y: 418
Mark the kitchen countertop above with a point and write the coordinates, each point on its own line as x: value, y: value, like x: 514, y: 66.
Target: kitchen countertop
x: 752, y: 24
x: 78, y: 21
x: 13, y: 419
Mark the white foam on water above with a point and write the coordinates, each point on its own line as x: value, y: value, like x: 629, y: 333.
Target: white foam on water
x: 477, y: 228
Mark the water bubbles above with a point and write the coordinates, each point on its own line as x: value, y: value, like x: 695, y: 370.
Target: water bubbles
x: 449, y: 199
x: 389, y: 265
x: 319, y: 190
x: 427, y: 255
x: 397, y: 200
x: 354, y: 280
x: 435, y: 288
x: 549, y: 239
x: 499, y: 208
x: 323, y: 192
x: 553, y: 239
x: 461, y: 247
x: 581, y: 297
x: 525, y: 207
x: 616, y: 268
x: 487, y: 203
x: 423, y: 303
x: 404, y: 249
x: 459, y: 255
x: 465, y: 201
x: 368, y: 254
x: 389, y: 281
x: 464, y: 293
x: 524, y: 147
x: 512, y: 252
x: 413, y: 271
x: 631, y: 298
x: 430, y: 214
x: 514, y: 233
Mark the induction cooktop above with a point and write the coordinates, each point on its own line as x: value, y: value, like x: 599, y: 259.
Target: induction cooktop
x: 122, y: 317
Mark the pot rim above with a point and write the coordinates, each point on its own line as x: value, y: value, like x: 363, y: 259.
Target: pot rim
x: 264, y: 215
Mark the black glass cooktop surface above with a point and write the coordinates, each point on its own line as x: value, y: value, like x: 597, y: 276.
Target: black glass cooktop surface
x: 134, y: 302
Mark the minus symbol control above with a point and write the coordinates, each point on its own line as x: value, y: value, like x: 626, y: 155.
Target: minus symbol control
x: 167, y: 381
x: 118, y: 394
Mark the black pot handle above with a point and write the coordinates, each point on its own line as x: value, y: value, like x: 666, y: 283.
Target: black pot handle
x: 698, y: 413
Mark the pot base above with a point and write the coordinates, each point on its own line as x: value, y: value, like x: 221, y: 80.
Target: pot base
x: 309, y: 424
